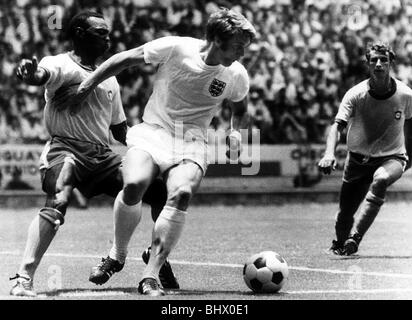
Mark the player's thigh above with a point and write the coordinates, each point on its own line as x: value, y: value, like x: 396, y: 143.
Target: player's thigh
x: 55, y: 178
x: 390, y: 171
x: 138, y: 166
x: 187, y: 174
x: 58, y: 183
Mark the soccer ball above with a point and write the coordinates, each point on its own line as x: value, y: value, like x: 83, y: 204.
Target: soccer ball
x: 265, y: 272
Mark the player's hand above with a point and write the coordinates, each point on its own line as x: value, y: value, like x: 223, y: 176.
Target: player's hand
x: 26, y: 70
x: 233, y: 145
x: 327, y: 164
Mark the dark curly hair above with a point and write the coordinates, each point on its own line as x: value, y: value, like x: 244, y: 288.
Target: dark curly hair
x: 382, y: 48
x: 80, y: 21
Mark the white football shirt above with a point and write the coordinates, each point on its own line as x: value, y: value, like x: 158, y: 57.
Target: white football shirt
x: 101, y: 109
x: 375, y: 125
x: 187, y: 91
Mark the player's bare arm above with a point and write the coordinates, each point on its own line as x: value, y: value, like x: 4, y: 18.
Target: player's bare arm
x: 328, y: 163
x: 29, y: 71
x: 111, y: 67
x: 240, y: 116
x: 408, y: 141
x: 239, y: 120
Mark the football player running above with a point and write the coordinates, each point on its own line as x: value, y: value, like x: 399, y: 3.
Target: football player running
x: 375, y: 112
x: 193, y: 78
x: 78, y: 154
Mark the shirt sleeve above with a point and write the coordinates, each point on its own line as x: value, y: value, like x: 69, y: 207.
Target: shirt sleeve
x: 53, y: 65
x: 408, y: 109
x: 240, y: 85
x: 346, y: 107
x: 159, y: 50
x: 118, y: 115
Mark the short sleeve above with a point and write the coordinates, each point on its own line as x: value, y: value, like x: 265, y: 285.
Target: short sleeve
x: 408, y: 111
x: 240, y: 85
x: 346, y: 107
x: 53, y: 65
x: 159, y: 50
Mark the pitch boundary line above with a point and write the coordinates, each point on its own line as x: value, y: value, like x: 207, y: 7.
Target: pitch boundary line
x: 337, y: 291
x: 296, y: 292
x: 230, y: 265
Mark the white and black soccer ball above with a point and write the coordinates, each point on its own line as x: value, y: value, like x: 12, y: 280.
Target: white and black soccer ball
x: 265, y: 272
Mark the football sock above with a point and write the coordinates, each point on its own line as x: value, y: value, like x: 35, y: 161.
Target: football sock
x: 40, y: 234
x: 166, y: 233
x: 351, y: 196
x: 126, y: 219
x: 368, y: 213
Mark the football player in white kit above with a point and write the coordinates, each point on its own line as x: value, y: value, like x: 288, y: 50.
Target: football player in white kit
x: 193, y: 78
x: 375, y: 111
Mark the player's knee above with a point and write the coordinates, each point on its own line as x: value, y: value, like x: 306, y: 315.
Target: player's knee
x: 380, y: 184
x: 180, y: 197
x: 58, y: 201
x: 133, y: 192
x: 52, y: 215
x: 375, y: 199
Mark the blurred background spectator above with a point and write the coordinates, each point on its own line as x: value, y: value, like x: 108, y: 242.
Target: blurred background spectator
x: 308, y: 53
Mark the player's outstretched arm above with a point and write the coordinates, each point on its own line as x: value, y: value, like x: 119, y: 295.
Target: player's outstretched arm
x: 29, y: 72
x: 111, y: 67
x: 328, y: 163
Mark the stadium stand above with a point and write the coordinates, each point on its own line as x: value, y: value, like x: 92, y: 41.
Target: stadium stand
x: 307, y: 55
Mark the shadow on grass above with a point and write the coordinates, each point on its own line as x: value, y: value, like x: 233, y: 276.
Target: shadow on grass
x: 377, y: 257
x: 182, y: 292
x: 360, y: 257
x: 133, y: 291
x: 80, y: 291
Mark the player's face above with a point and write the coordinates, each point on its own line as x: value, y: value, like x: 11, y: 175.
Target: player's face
x: 97, y: 35
x: 379, y: 64
x: 233, y: 49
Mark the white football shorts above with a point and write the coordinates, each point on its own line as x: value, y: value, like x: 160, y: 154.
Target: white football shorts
x: 166, y: 150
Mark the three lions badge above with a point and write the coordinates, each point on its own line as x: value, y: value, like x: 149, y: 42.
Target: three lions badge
x: 216, y: 87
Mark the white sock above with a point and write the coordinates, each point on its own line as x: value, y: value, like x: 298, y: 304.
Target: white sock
x: 126, y: 219
x: 166, y: 233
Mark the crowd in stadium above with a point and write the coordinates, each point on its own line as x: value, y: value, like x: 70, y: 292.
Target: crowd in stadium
x: 307, y: 55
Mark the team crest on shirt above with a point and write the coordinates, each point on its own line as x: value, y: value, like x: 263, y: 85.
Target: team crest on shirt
x: 398, y: 115
x: 110, y: 95
x: 216, y: 87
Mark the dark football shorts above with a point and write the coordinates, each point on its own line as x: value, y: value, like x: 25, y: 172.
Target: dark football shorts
x: 97, y: 170
x: 361, y: 168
